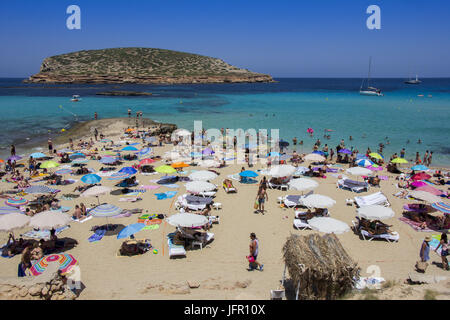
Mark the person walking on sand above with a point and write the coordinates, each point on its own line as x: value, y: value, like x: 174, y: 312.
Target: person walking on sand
x: 425, y: 249
x: 13, y: 150
x: 430, y: 156
x: 262, y: 197
x: 254, y: 250
x: 444, y: 251
x: 129, y: 113
x: 96, y: 134
x: 50, y: 146
x: 95, y: 116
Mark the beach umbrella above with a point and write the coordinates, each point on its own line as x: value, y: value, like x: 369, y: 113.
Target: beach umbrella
x: 421, y: 176
x: 179, y: 165
x: 106, y: 211
x: 91, y: 178
x: 107, y: 160
x: 200, y: 186
x: 418, y: 184
x: 283, y: 144
x: 146, y: 161
x: 195, y: 155
x: 399, y: 160
x: 128, y: 170
x: 96, y: 191
x: 130, y: 230
x: 16, y: 202
x: 273, y: 154
x: 65, y: 151
x: 77, y: 155
x: 165, y: 169
x: 419, y: 167
x: 303, y: 184
x: 209, y: 164
x: 358, y: 171
x: 314, y: 157
x: 8, y: 210
x: 318, y: 201
x: 109, y: 153
x: 441, y: 206
x: 248, y: 174
x: 150, y: 139
x: 9, y: 222
x: 319, y: 152
x: 2, y: 161
x: 38, y: 155
x: 39, y: 189
x: 208, y: 152
x: 375, y: 168
x: 376, y: 155
x: 345, y: 151
x: 49, y: 164
x: 119, y: 176
x: 360, y: 156
x: 425, y: 196
x: 65, y: 263
x: 172, y: 155
x: 430, y: 189
x: 375, y: 212
x: 285, y: 157
x: 144, y: 151
x: 182, y: 133
x: 187, y: 220
x: 80, y: 161
x: 63, y: 171
x: 50, y: 219
x: 310, y: 130
x: 202, y: 175
x: 328, y: 225
x: 130, y: 148
x: 364, y: 163
x: 285, y: 170
x: 105, y: 140
x: 15, y: 158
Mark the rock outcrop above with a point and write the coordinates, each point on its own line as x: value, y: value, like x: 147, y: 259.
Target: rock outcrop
x: 140, y: 65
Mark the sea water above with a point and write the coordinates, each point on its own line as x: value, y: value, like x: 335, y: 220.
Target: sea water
x: 36, y: 111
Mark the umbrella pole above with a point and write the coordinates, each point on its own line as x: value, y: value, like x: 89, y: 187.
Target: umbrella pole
x: 297, y: 291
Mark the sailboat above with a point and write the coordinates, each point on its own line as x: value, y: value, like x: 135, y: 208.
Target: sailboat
x: 369, y: 91
x: 75, y: 98
x: 412, y: 81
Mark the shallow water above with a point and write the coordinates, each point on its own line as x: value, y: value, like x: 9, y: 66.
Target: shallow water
x: 291, y: 105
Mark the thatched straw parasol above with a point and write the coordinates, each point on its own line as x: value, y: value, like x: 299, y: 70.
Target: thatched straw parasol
x: 319, y: 266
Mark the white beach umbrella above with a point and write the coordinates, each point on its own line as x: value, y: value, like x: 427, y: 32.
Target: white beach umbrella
x: 182, y: 133
x: 50, y: 219
x: 11, y: 221
x: 318, y: 201
x: 375, y: 212
x: 359, y: 171
x: 209, y: 164
x: 303, y: 184
x: 314, y: 157
x: 202, y: 175
x: 426, y: 196
x: 284, y: 170
x: 328, y: 225
x: 172, y: 155
x: 96, y: 191
x: 200, y: 186
x: 187, y: 220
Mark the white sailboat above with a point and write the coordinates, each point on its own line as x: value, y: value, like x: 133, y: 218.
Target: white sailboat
x: 369, y: 91
x: 75, y: 98
x: 413, y: 81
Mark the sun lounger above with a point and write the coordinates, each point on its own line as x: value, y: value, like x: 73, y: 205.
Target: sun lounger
x: 228, y: 187
x: 300, y: 224
x: 292, y: 201
x: 366, y: 235
x: 352, y: 185
x: 183, y: 203
x: 278, y: 186
x: 175, y: 250
x: 377, y: 198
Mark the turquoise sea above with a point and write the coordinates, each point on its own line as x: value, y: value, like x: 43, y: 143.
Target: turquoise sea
x: 31, y: 112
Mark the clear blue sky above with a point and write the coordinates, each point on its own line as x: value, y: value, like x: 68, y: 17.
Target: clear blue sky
x: 285, y: 38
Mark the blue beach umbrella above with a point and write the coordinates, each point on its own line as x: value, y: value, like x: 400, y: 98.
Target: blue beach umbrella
x: 63, y: 171
x: 130, y: 148
x: 364, y: 163
x: 130, y: 230
x: 419, y: 167
x: 248, y: 174
x: 91, y: 178
x: 144, y: 152
x: 107, y: 160
x: 360, y: 156
x: 37, y: 155
x: 273, y: 154
x: 77, y: 155
x: 128, y: 170
x: 319, y: 152
x: 106, y: 211
x: 8, y: 210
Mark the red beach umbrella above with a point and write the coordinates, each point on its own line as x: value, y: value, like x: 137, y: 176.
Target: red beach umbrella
x: 421, y: 176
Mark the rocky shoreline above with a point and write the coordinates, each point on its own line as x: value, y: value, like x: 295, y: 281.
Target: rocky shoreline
x: 123, y: 93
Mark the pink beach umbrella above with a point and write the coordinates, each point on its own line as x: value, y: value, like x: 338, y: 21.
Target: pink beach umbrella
x: 418, y: 184
x: 430, y: 189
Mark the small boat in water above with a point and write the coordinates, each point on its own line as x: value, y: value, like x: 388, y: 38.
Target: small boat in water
x: 369, y: 91
x: 413, y: 81
x: 75, y: 98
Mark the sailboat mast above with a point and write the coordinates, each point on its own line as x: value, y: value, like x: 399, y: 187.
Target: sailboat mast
x: 368, y: 76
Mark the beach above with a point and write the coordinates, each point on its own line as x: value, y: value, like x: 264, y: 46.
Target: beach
x: 219, y: 270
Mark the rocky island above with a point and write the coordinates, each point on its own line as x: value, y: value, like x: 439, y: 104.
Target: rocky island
x: 123, y: 93
x: 141, y: 66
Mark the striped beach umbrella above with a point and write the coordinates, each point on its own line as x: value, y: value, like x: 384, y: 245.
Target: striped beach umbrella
x: 106, y: 211
x: 9, y: 222
x: 63, y: 171
x: 376, y: 155
x: 65, y: 261
x: 8, y: 210
x: 364, y: 163
x: 16, y: 201
x: 39, y: 189
x: 77, y: 155
x: 119, y: 176
x: 146, y: 161
x: 128, y: 170
x: 91, y: 178
x: 108, y: 160
x: 441, y: 206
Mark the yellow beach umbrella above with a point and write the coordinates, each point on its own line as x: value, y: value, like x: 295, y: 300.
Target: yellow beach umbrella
x: 179, y: 165
x: 165, y: 169
x: 399, y: 160
x: 49, y: 164
x: 376, y: 155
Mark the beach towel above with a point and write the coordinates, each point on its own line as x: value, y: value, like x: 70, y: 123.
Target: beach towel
x: 43, y: 234
x: 173, y: 186
x: 129, y: 199
x: 385, y: 178
x: 415, y: 225
x: 151, y: 227
x: 165, y: 195
x: 149, y: 187
x: 97, y: 236
x: 435, y: 240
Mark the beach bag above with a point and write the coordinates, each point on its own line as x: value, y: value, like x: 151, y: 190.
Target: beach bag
x: 421, y: 266
x: 250, y: 259
x: 256, y: 205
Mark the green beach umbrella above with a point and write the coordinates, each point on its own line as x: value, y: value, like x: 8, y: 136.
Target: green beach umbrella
x: 165, y: 169
x: 399, y: 160
x: 49, y: 164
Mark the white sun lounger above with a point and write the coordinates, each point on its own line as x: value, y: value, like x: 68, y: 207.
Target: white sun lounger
x: 346, y: 184
x: 389, y: 237
x: 377, y: 198
x: 278, y: 186
x: 175, y: 250
x: 301, y: 224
